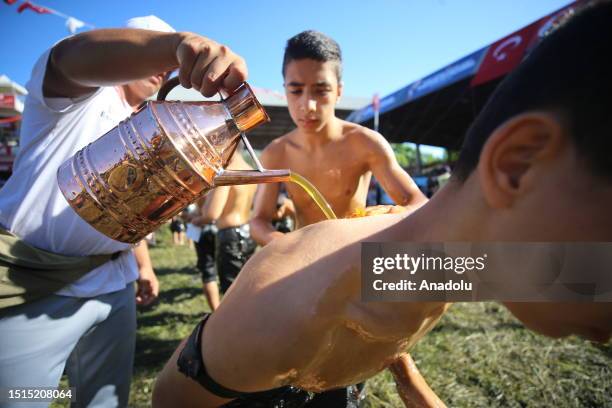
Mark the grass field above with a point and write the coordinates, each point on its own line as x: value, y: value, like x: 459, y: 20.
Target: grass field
x: 477, y: 356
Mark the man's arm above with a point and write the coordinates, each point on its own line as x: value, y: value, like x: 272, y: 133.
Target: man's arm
x: 148, y: 285
x: 393, y: 179
x: 264, y: 204
x: 81, y: 63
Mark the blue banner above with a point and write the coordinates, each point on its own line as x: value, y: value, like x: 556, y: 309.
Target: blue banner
x: 461, y: 69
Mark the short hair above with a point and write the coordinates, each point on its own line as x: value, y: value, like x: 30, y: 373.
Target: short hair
x: 569, y: 73
x: 313, y: 45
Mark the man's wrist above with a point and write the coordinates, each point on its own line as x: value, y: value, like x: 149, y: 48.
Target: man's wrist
x: 145, y: 268
x: 174, y: 40
x: 165, y: 46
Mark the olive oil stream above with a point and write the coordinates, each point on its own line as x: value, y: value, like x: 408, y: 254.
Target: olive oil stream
x: 232, y: 178
x: 316, y: 196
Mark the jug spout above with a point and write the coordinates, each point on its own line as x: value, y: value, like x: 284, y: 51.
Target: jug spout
x: 235, y: 177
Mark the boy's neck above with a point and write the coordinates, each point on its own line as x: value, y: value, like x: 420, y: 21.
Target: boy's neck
x: 330, y: 132
x: 444, y: 218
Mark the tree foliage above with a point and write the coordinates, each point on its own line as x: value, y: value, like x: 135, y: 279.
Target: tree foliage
x: 406, y: 155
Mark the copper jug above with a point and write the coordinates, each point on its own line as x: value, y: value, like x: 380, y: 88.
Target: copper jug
x: 156, y: 162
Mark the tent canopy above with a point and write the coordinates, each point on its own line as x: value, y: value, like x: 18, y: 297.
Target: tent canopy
x: 11, y: 94
x: 8, y: 86
x: 438, y: 109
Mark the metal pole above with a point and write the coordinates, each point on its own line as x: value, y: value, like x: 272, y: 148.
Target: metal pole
x: 376, y: 115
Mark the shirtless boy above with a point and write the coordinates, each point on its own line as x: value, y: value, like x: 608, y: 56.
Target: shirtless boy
x: 229, y: 207
x: 338, y: 157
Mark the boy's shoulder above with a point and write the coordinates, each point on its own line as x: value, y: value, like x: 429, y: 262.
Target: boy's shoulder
x: 283, y: 140
x: 361, y: 135
x: 276, y: 150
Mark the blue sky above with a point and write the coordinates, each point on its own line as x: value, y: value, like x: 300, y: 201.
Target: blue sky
x: 386, y: 43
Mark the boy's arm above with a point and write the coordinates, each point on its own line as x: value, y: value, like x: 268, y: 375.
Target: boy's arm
x: 213, y: 206
x: 393, y: 179
x: 264, y: 204
x: 264, y: 211
x: 411, y: 386
x: 79, y: 64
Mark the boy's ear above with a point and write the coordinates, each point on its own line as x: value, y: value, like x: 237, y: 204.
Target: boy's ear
x: 511, y: 159
x: 340, y: 89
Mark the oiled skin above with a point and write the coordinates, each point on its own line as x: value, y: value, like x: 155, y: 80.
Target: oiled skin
x: 323, y: 336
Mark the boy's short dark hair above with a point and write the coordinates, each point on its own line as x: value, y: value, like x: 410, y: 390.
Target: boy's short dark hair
x: 313, y: 45
x: 568, y: 73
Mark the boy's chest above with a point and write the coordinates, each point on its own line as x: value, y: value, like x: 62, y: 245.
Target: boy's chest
x: 336, y: 173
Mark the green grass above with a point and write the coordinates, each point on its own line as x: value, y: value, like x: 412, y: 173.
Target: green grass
x: 480, y: 356
x: 477, y: 356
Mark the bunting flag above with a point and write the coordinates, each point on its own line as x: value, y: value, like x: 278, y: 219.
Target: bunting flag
x: 72, y: 24
x: 26, y: 5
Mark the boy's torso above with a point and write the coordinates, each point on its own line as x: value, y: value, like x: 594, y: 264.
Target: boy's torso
x: 338, y: 169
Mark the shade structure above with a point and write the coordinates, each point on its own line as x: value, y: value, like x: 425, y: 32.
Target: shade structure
x: 437, y: 110
x: 10, y: 97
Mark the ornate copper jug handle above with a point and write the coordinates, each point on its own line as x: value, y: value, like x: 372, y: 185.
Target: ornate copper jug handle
x: 167, y: 87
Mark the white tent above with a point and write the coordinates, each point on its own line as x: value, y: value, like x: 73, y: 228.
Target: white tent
x: 7, y: 85
x: 11, y: 94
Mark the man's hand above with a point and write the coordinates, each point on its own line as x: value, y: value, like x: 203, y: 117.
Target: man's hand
x: 287, y: 209
x: 206, y: 65
x: 148, y: 286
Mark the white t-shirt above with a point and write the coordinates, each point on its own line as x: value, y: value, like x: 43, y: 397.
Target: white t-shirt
x: 31, y: 204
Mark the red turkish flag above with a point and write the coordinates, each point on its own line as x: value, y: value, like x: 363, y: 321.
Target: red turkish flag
x: 505, y: 54
x: 27, y: 5
x: 9, y: 2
